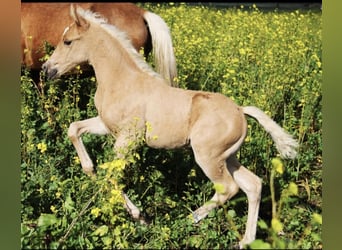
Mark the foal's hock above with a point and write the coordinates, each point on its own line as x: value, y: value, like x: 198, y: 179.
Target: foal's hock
x: 129, y: 90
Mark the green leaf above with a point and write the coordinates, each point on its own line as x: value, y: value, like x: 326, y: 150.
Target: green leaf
x: 46, y: 220
x: 260, y: 244
x: 231, y: 213
x: 262, y: 224
x: 102, y: 230
x: 69, y: 204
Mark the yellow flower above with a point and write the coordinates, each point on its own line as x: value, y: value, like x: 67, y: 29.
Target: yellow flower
x: 219, y: 188
x: 148, y: 127
x: 53, y: 209
x: 317, y: 218
x: 42, y: 147
x: 104, y: 165
x: 58, y: 194
x: 116, y: 197
x: 95, y: 211
x: 192, y: 172
x: 277, y: 226
x: 278, y: 165
x: 293, y: 188
x: 118, y: 164
x: 242, y: 51
x: 77, y: 160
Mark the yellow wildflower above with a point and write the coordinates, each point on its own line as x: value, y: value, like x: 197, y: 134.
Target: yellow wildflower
x: 317, y: 218
x: 277, y: 226
x: 77, y: 160
x: 118, y: 164
x: 95, y: 211
x: 242, y: 51
x: 293, y: 188
x: 42, y: 147
x: 148, y: 127
x: 53, y: 209
x: 278, y: 165
x: 40, y: 190
x: 219, y: 188
x: 58, y: 194
x: 116, y: 197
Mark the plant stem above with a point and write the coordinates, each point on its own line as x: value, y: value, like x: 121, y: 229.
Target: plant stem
x: 274, y: 203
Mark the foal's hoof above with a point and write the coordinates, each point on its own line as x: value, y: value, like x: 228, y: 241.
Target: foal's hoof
x: 144, y: 220
x: 89, y: 171
x: 196, y: 218
x: 91, y: 174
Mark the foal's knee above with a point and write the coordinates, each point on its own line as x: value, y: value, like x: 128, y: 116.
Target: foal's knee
x: 73, y: 131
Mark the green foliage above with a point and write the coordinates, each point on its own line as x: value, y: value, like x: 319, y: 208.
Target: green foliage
x: 268, y: 59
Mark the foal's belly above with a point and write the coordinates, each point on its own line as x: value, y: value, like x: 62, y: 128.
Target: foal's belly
x: 168, y: 138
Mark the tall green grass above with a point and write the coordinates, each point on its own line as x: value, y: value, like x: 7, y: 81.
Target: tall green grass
x: 272, y: 60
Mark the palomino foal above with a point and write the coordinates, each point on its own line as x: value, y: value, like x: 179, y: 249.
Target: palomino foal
x: 212, y: 124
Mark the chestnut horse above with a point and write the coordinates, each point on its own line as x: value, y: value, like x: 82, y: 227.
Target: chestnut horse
x: 42, y: 22
x: 132, y: 100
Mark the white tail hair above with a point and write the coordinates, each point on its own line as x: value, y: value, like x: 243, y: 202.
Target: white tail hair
x: 165, y: 61
x: 285, y: 144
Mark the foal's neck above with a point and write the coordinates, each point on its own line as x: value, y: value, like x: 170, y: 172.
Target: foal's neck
x: 111, y: 62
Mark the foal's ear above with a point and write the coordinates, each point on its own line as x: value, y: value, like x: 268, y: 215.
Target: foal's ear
x: 79, y: 20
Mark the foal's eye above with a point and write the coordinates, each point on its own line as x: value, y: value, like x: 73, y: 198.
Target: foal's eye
x: 67, y: 42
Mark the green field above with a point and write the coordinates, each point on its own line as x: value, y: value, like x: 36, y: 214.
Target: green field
x: 271, y: 59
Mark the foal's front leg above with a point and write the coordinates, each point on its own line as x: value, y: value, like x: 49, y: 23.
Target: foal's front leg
x: 76, y: 129
x: 121, y: 152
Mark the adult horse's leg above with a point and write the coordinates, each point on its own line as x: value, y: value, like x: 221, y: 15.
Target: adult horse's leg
x: 76, y: 129
x: 251, y: 185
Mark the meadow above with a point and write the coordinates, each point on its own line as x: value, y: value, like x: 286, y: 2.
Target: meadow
x: 271, y: 59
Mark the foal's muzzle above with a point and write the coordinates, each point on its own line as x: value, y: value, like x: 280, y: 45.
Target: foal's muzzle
x: 49, y: 72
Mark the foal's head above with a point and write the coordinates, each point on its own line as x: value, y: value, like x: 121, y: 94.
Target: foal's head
x: 72, y: 50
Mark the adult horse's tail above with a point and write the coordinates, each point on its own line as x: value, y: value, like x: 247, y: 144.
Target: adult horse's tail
x: 284, y: 142
x: 164, y: 58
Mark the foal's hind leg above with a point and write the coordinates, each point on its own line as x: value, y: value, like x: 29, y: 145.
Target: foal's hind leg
x: 251, y: 185
x: 216, y: 171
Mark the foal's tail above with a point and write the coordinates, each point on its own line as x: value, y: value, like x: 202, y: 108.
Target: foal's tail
x: 164, y: 58
x: 285, y: 144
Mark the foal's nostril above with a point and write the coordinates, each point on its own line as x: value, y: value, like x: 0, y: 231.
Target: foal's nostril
x: 51, y: 74
x: 48, y: 71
